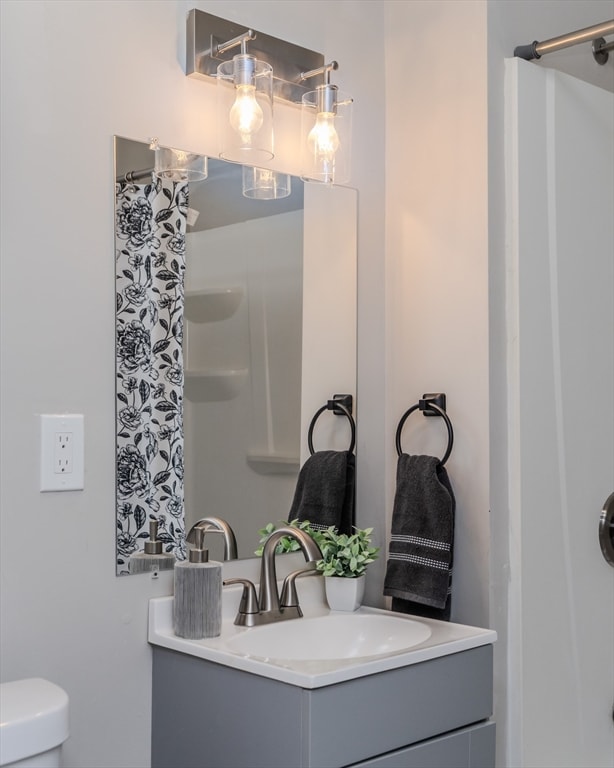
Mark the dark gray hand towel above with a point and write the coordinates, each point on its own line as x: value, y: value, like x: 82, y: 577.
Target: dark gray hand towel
x: 418, y: 573
x: 324, y: 492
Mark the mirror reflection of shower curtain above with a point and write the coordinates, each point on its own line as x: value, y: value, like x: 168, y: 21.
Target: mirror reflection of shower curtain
x: 150, y: 266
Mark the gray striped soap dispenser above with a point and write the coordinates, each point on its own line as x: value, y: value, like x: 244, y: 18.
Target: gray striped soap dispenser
x: 197, y: 604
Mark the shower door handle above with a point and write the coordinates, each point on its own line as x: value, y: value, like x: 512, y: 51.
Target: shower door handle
x: 606, y: 530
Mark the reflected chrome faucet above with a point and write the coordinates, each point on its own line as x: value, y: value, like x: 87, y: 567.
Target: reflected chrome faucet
x: 217, y: 525
x: 268, y: 607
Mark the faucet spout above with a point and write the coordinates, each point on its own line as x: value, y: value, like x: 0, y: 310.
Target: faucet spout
x: 217, y: 525
x: 269, y: 595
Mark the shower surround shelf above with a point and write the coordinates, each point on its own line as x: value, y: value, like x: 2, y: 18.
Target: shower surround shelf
x: 270, y: 463
x: 212, y: 385
x: 211, y: 305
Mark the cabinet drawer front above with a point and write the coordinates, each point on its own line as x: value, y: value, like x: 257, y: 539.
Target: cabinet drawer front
x: 368, y: 716
x: 468, y: 748
x: 205, y: 715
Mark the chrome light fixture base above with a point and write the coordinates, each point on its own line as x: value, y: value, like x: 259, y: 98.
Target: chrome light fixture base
x: 207, y: 47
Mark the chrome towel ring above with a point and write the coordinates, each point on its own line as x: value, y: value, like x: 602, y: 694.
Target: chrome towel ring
x: 340, y: 405
x: 431, y: 405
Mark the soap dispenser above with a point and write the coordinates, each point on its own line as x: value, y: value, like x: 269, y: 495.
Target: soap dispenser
x: 153, y: 558
x: 197, y: 605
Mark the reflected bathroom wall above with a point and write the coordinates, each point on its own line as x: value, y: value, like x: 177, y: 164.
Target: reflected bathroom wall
x: 242, y: 404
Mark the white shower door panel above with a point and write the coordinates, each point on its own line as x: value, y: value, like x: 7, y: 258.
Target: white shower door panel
x: 562, y: 406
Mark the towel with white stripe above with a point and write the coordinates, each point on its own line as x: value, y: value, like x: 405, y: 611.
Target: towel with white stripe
x: 420, y: 554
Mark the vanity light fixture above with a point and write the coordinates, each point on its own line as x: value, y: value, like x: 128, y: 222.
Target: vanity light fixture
x: 245, y: 104
x: 326, y: 130
x: 264, y: 184
x: 247, y: 84
x: 177, y: 164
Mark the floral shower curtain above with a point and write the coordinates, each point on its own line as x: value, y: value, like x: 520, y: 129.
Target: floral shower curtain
x: 150, y: 226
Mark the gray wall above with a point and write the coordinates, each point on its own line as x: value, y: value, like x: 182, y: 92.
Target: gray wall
x: 65, y: 92
x: 74, y: 74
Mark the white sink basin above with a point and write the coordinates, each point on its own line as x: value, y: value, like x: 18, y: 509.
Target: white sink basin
x: 332, y: 637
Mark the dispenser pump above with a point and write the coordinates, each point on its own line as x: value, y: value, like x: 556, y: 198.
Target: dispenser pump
x: 153, y: 558
x: 154, y: 545
x: 198, y: 554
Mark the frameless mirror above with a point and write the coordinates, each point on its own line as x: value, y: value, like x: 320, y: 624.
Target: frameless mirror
x: 252, y: 319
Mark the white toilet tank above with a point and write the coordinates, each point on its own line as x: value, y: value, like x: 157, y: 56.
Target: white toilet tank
x: 33, y: 723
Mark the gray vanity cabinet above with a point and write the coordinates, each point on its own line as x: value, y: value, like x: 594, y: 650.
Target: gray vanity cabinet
x: 431, y: 714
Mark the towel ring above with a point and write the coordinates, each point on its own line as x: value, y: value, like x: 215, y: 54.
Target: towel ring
x: 424, y: 405
x: 331, y: 405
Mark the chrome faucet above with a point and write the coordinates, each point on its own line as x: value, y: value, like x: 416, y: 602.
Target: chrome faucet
x: 269, y: 607
x: 217, y: 525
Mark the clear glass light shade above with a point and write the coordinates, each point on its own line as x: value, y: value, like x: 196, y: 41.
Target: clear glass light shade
x: 326, y: 135
x: 245, y: 110
x: 178, y: 165
x: 263, y: 184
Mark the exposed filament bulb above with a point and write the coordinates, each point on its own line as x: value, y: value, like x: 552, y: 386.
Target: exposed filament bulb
x: 323, y: 140
x: 246, y: 116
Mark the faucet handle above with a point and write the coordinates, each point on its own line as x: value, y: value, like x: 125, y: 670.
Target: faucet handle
x: 249, y: 601
x: 289, y: 596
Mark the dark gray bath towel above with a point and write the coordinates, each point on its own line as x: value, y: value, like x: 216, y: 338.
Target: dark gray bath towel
x: 419, y: 569
x: 324, y: 492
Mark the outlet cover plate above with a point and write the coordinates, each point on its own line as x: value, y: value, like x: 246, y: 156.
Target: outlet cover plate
x: 62, y: 460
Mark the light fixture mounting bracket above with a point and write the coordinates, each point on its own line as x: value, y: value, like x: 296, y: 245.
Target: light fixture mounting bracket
x: 207, y: 34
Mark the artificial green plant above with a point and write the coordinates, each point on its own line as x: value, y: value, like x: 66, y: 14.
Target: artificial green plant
x: 345, y: 555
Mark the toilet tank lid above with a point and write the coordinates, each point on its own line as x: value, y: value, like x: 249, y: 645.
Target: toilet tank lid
x: 33, y: 718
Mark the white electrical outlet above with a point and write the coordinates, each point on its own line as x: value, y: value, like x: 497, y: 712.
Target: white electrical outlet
x: 63, y: 453
x: 62, y: 463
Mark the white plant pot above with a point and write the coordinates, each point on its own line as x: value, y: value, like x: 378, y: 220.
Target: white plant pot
x: 344, y: 594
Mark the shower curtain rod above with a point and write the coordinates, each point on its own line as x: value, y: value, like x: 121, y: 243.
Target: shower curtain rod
x: 536, y: 50
x: 133, y: 176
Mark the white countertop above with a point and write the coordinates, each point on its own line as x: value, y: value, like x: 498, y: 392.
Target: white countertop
x: 445, y: 638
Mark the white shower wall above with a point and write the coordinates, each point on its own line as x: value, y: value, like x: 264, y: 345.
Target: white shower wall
x: 260, y: 348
